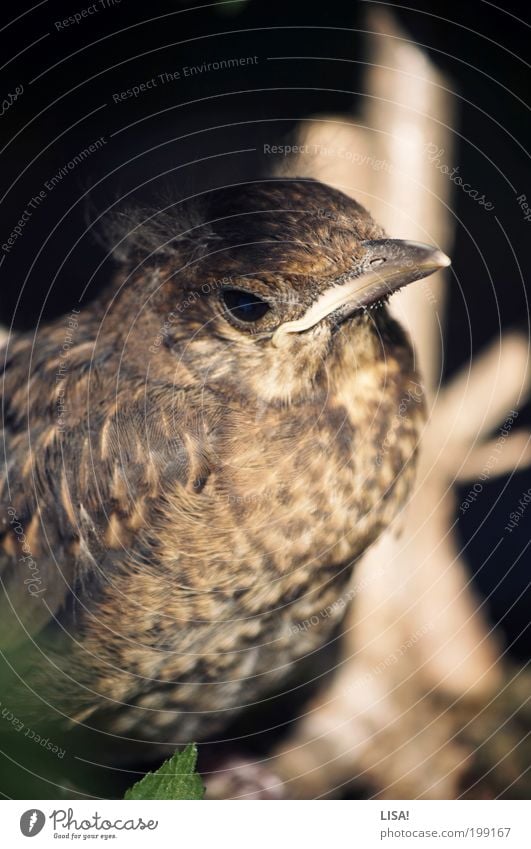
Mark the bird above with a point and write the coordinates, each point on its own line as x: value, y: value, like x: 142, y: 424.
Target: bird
x: 194, y: 460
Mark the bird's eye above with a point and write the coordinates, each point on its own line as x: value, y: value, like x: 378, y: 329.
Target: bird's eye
x: 244, y: 305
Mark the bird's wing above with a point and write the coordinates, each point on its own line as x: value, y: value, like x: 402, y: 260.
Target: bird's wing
x: 79, y: 500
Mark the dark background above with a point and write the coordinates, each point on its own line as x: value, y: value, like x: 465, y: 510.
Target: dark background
x: 69, y: 79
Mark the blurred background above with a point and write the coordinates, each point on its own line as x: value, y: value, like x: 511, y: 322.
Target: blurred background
x: 177, y: 98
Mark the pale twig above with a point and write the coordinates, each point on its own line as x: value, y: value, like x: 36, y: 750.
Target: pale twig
x: 390, y: 728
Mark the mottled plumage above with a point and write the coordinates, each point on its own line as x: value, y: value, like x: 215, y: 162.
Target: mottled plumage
x: 185, y: 492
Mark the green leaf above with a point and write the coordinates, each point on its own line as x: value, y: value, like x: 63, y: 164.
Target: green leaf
x: 176, y: 779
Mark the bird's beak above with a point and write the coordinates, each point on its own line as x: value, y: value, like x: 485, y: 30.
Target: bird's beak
x: 387, y: 265
x: 395, y: 263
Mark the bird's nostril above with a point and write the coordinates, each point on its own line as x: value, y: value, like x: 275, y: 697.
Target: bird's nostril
x: 378, y: 261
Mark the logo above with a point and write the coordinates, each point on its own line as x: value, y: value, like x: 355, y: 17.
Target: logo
x: 32, y: 822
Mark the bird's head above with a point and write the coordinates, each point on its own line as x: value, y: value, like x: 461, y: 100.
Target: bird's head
x: 260, y: 290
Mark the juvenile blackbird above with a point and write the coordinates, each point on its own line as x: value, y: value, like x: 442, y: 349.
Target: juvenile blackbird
x: 194, y: 462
